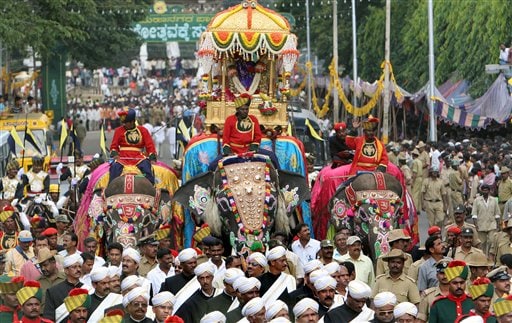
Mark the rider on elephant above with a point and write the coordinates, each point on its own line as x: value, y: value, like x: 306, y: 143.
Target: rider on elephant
x: 37, y: 180
x: 10, y: 185
x: 242, y: 133
x: 127, y: 147
x: 370, y: 153
x: 340, y: 152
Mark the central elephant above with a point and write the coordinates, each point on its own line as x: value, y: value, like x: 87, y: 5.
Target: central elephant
x: 370, y: 205
x: 245, y: 199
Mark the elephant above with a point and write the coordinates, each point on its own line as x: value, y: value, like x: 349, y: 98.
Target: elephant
x: 244, y: 199
x: 370, y: 205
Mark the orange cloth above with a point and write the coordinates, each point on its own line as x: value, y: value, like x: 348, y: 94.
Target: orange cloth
x: 368, y: 155
x: 239, y: 134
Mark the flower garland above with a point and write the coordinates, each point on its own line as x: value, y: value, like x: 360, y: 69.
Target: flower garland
x: 139, y: 210
x: 254, y: 84
x: 232, y: 202
x: 266, y: 108
x: 375, y: 209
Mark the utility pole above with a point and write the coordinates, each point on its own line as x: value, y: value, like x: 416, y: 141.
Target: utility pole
x: 385, y: 116
x: 432, y: 119
x: 308, y: 44
x: 335, y: 98
x: 1, y: 68
x: 354, y: 50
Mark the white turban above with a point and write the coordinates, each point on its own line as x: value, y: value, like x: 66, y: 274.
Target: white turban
x: 205, y: 267
x: 274, y: 308
x: 186, y: 255
x: 279, y: 320
x: 232, y: 274
x: 132, y: 253
x: 405, y: 308
x: 259, y: 258
x: 134, y: 293
x: 129, y: 281
x: 384, y: 298
x: 253, y: 306
x: 213, y: 317
x: 162, y: 298
x: 332, y: 267
x: 276, y: 253
x: 472, y: 319
x: 358, y: 289
x: 313, y: 277
x: 312, y: 265
x: 325, y: 282
x: 98, y: 274
x: 243, y: 284
x: 114, y: 271
x: 73, y: 259
x: 303, y: 305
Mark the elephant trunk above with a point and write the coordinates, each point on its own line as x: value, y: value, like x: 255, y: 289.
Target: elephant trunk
x: 282, y: 223
x: 212, y: 217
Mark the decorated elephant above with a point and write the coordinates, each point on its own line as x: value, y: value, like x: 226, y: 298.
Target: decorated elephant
x: 245, y: 199
x: 370, y: 205
x: 96, y: 206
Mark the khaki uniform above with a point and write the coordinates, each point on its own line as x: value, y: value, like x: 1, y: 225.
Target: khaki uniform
x: 503, y: 248
x: 382, y: 266
x: 415, y: 268
x: 407, y: 177
x: 433, y: 191
x: 444, y: 176
x: 486, y: 213
x: 457, y: 188
x: 425, y: 162
x: 463, y: 170
x: 430, y: 295
x: 504, y: 192
x: 474, y: 182
x: 476, y: 240
x: 499, y: 238
x: 461, y: 255
x: 145, y: 266
x: 417, y: 170
x: 403, y: 287
x: 393, y: 158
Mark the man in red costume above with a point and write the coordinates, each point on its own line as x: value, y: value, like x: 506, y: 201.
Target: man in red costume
x: 242, y: 131
x: 370, y: 153
x: 128, y: 145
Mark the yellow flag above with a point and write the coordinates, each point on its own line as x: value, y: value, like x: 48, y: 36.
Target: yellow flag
x: 16, y: 138
x: 102, y: 141
x: 312, y: 130
x: 289, y: 129
x: 182, y: 127
x: 63, y: 133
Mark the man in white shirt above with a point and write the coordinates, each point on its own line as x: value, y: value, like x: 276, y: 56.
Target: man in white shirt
x: 362, y: 263
x: 164, y: 269
x: 305, y: 247
x: 503, y: 54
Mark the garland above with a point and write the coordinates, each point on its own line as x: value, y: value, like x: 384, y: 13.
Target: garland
x: 375, y: 209
x: 254, y: 84
x: 267, y: 110
x: 231, y: 199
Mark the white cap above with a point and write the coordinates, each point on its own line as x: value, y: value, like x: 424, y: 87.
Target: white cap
x: 213, y: 317
x: 473, y: 319
x: 316, y: 274
x: 132, y: 253
x: 312, y: 265
x: 405, y: 308
x: 332, y: 267
x: 187, y: 254
x: 129, y: 281
x: 114, y: 271
x: 162, y: 298
x: 325, y: 282
x: 253, y: 306
x: 98, y: 274
x: 352, y: 239
x: 303, y: 305
x: 259, y: 258
x: 384, y: 298
x: 274, y: 308
x: 232, y: 274
x: 243, y: 284
x: 73, y: 259
x: 205, y: 267
x: 358, y: 289
x: 280, y: 320
x: 276, y: 253
x: 134, y: 293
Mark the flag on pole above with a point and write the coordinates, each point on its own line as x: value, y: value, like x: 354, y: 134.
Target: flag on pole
x: 63, y: 133
x: 75, y: 141
x: 14, y: 140
x: 29, y: 137
x: 184, y: 130
x: 103, y: 140
x: 289, y: 129
x: 312, y: 130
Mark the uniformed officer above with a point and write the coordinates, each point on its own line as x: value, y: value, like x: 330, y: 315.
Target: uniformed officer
x: 424, y: 157
x: 10, y: 185
x: 501, y: 282
x: 434, y: 198
x: 466, y: 248
x: 459, y: 215
x: 417, y: 179
x: 396, y: 281
x: 397, y: 239
x: 36, y: 179
x: 402, y: 163
x: 504, y: 246
x: 456, y: 183
x: 504, y: 187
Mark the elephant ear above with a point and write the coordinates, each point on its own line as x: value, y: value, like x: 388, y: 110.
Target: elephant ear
x: 294, y: 188
x: 195, y: 193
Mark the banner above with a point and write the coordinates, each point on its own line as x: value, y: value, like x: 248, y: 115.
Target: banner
x: 54, y: 83
x: 172, y: 27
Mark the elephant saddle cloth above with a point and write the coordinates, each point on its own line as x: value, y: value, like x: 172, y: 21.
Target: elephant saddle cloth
x: 248, y: 187
x: 381, y: 195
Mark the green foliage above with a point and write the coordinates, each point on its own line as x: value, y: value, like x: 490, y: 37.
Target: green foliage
x: 93, y: 31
